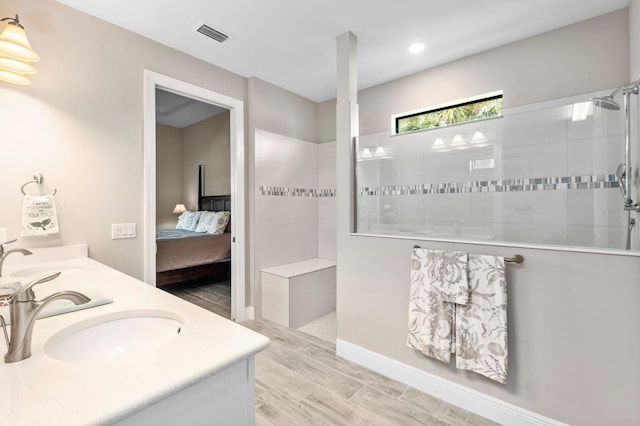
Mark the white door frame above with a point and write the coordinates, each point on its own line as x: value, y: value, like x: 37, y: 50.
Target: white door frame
x: 153, y: 80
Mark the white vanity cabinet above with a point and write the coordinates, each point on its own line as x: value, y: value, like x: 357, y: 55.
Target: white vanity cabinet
x: 225, y: 398
x: 202, y: 376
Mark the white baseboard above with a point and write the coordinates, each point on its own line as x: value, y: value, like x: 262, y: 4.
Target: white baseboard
x: 484, y: 405
x: 249, y: 313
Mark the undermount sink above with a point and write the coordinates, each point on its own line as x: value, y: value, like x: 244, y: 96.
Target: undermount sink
x: 114, y: 335
x: 47, y: 268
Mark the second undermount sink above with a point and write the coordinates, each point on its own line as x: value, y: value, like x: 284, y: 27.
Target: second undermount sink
x: 114, y: 335
x: 39, y: 270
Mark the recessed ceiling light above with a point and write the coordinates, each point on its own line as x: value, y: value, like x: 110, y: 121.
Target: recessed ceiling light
x: 416, y: 48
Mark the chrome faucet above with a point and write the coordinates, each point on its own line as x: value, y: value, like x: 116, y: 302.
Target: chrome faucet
x: 4, y: 254
x: 23, y: 310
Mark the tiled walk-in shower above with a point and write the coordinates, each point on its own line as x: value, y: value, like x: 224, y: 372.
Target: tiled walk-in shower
x: 532, y: 176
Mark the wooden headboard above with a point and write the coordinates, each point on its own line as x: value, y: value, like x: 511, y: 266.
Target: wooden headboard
x: 214, y: 203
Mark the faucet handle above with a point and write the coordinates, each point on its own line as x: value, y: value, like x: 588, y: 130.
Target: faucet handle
x: 6, y: 242
x: 25, y: 293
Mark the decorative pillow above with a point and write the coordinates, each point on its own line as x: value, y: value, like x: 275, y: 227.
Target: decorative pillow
x: 213, y: 222
x: 188, y: 220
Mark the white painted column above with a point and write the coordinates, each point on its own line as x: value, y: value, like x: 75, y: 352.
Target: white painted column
x: 346, y: 129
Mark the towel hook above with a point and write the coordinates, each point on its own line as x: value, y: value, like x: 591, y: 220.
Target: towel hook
x: 37, y: 178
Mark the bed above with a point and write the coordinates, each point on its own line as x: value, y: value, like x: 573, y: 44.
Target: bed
x: 183, y: 255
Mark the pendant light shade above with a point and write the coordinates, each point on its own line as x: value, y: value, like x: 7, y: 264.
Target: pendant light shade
x: 14, y: 78
x: 13, y: 65
x: 16, y: 54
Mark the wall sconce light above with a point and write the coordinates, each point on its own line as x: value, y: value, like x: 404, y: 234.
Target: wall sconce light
x: 457, y: 140
x: 179, y: 209
x: 438, y: 144
x: 477, y: 137
x: 16, y: 54
x: 380, y: 150
x: 366, y: 153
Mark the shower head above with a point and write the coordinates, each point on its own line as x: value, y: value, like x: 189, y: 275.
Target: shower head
x: 606, y: 102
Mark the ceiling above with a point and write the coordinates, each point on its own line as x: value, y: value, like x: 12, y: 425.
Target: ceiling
x: 174, y: 110
x: 291, y: 43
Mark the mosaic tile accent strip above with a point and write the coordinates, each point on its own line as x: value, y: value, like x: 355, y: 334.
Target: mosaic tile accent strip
x: 280, y: 191
x: 507, y: 185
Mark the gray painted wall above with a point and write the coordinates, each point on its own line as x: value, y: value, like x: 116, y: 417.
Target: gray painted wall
x: 327, y: 121
x: 590, y: 55
x: 573, y: 317
x: 206, y: 143
x: 168, y: 175
x: 80, y: 125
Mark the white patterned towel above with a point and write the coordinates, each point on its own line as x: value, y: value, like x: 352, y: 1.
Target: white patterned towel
x: 448, y: 275
x: 476, y: 331
x: 481, y: 325
x: 433, y: 275
x: 39, y: 216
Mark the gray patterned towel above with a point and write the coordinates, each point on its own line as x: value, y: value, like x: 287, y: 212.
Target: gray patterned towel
x: 477, y: 331
x: 481, y: 325
x: 430, y: 318
x: 448, y: 275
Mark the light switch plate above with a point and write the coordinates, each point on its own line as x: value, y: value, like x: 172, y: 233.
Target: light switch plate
x: 121, y: 231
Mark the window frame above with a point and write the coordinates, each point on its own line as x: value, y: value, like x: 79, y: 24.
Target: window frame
x: 395, y: 119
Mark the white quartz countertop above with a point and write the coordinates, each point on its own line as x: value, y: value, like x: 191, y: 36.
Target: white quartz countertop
x: 42, y: 390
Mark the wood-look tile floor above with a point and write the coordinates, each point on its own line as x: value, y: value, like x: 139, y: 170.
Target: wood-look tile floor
x: 300, y: 380
x: 212, y: 296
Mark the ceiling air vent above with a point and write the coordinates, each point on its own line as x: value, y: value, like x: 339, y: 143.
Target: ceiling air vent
x: 217, y: 35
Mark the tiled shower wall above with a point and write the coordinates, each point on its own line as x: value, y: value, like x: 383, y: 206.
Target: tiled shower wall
x: 538, y: 178
x: 327, y: 205
x: 295, y: 200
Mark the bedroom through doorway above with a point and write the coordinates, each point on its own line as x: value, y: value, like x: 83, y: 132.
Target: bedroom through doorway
x: 193, y: 201
x: 194, y: 194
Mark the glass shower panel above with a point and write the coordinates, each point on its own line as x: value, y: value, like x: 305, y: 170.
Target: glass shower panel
x: 533, y: 176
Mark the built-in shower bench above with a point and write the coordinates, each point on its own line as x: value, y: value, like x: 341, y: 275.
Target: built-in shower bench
x: 298, y: 293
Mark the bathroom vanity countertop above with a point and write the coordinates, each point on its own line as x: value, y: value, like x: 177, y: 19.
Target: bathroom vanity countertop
x: 43, y: 390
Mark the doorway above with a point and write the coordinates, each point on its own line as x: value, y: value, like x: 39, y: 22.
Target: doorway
x: 152, y: 82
